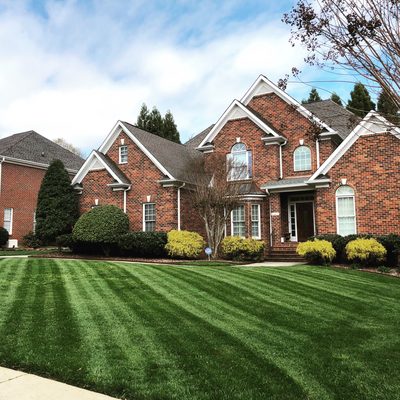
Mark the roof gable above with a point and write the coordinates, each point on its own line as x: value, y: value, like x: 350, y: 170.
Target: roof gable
x: 372, y: 124
x: 237, y: 110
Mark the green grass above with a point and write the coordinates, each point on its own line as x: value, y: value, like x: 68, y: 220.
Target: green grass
x: 184, y: 332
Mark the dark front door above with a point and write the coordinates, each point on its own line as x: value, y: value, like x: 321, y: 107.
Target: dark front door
x: 305, y: 221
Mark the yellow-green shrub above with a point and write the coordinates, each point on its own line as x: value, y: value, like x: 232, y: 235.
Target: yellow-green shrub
x: 184, y: 244
x: 237, y: 248
x: 367, y: 252
x: 317, y: 251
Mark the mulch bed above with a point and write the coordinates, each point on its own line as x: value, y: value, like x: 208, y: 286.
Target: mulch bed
x: 393, y: 272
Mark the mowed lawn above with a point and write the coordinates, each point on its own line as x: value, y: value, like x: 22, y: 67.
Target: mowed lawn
x: 181, y: 332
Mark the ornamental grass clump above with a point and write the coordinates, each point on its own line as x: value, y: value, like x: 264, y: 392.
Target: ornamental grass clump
x: 317, y: 251
x: 240, y: 249
x: 366, y: 252
x: 184, y: 244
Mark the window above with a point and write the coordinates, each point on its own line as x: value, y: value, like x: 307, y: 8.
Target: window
x: 123, y: 154
x: 34, y: 222
x: 8, y: 219
x: 239, y: 162
x: 238, y: 222
x: 302, y: 159
x: 255, y: 221
x: 149, y: 217
x: 345, y: 211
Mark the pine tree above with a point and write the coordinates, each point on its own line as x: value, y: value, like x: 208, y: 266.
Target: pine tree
x: 387, y: 108
x: 57, y: 206
x: 143, y: 118
x: 360, y: 102
x: 312, y: 97
x: 155, y: 122
x: 169, y: 128
x: 335, y: 97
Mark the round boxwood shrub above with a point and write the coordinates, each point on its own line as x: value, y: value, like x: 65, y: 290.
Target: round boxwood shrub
x: 366, y: 252
x: 143, y: 244
x: 3, y: 236
x: 240, y: 249
x: 184, y: 244
x: 31, y: 240
x: 318, y: 252
x: 101, y: 226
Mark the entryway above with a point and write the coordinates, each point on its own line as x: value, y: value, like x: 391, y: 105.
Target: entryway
x: 301, y: 219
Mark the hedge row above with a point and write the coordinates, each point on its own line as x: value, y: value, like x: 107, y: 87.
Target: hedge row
x: 390, y: 242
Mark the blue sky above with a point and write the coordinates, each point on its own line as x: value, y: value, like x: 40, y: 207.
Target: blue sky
x: 72, y: 68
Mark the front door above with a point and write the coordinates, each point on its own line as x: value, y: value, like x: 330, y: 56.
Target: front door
x: 305, y: 220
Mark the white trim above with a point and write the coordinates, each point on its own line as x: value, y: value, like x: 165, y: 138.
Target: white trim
x: 122, y: 146
x: 337, y: 209
x: 294, y: 158
x: 229, y: 114
x: 244, y: 219
x: 364, y: 128
x: 11, y: 218
x: 258, y: 221
x: 86, y: 168
x: 116, y: 130
x: 263, y: 85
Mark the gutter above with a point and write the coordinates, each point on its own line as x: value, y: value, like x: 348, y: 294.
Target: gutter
x: 1, y: 172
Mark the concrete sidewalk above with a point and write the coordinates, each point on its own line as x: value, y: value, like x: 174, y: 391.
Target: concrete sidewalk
x: 273, y: 264
x: 16, y: 385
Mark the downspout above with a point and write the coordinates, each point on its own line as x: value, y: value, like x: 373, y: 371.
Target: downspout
x: 270, y: 219
x: 125, y: 190
x: 317, y: 151
x: 1, y: 172
x: 280, y: 160
x: 179, y: 205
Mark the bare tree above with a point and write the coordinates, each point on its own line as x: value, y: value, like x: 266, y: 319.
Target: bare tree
x: 69, y: 146
x: 214, y: 195
x: 356, y: 35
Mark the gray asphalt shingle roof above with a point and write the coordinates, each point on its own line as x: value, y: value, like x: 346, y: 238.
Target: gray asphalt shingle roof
x: 111, y: 164
x: 31, y: 146
x: 337, y: 117
x: 195, y: 141
x: 174, y: 157
x: 285, y: 182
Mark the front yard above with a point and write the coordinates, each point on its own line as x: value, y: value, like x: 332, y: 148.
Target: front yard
x: 198, y: 332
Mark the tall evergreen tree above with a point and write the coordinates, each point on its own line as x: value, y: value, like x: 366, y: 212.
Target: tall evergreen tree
x: 143, y: 118
x: 169, y: 128
x: 155, y: 122
x: 57, y: 206
x: 312, y: 97
x: 336, y: 99
x: 360, y: 102
x: 388, y: 109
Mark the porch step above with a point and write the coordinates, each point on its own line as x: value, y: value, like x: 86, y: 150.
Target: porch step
x: 284, y: 253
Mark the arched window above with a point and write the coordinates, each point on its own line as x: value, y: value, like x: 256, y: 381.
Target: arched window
x: 302, y: 158
x: 345, y: 211
x: 239, y: 162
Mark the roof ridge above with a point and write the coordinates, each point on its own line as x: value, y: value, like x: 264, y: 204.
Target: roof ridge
x: 154, y: 134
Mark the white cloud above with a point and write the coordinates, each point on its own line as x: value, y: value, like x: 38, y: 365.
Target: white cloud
x: 74, y: 71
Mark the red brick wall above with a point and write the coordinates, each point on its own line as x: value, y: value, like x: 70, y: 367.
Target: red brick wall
x: 371, y: 167
x: 143, y: 175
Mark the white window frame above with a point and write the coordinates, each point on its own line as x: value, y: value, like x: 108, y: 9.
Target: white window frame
x: 244, y: 220
x: 34, y: 222
x: 296, y: 169
x: 342, y: 196
x: 125, y: 155
x: 258, y: 221
x: 10, y: 221
x: 144, y: 216
x: 249, y: 159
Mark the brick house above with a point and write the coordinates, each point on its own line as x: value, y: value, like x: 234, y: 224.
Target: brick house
x: 309, y: 169
x: 24, y: 158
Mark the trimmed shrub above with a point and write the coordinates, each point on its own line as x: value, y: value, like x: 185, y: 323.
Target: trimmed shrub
x: 317, y: 251
x: 101, y: 227
x: 184, y: 244
x: 338, y: 243
x: 65, y: 241
x: 31, y: 240
x: 240, y: 249
x: 143, y: 244
x: 4, y: 236
x: 392, y: 245
x: 366, y: 252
